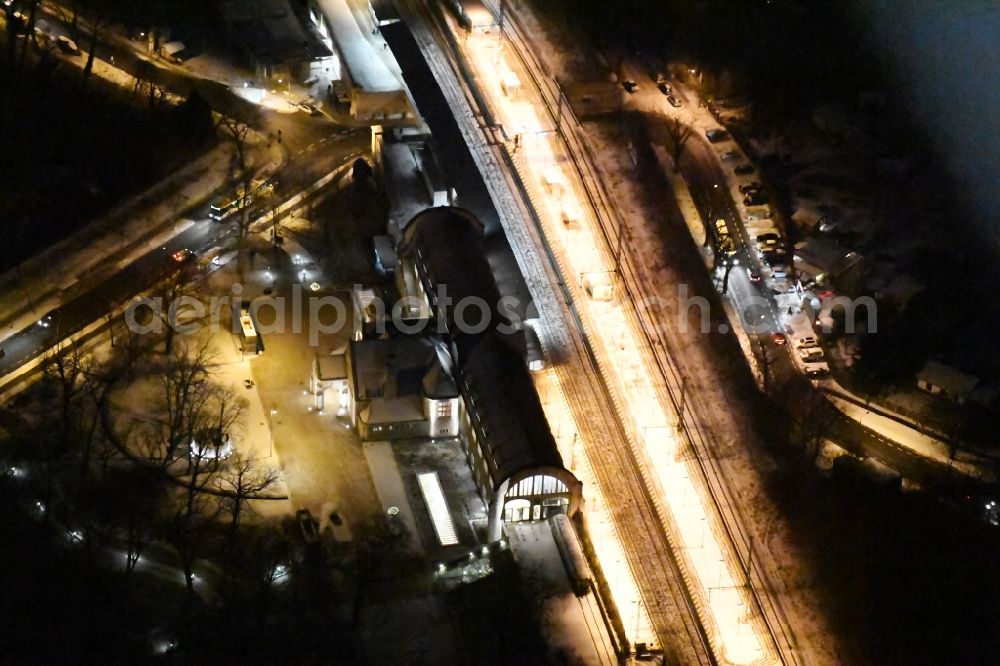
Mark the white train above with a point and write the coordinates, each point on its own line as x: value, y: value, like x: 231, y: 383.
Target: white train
x: 571, y: 553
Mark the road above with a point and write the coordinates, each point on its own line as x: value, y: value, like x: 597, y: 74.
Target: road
x: 203, y: 234
x: 130, y: 56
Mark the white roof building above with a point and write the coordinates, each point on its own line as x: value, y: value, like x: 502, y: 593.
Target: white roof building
x: 376, y: 81
x: 946, y: 381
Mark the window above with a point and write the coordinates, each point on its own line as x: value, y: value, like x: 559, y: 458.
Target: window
x: 444, y: 409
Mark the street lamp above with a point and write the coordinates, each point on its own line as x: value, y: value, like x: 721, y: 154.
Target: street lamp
x: 270, y: 432
x: 287, y: 90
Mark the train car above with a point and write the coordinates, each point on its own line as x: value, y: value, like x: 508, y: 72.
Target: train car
x: 571, y: 552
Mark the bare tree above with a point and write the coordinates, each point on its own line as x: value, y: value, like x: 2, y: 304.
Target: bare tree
x: 678, y: 134
x: 191, y: 522
x: 239, y: 134
x: 98, y: 19
x: 379, y: 540
x: 194, y: 513
x: 765, y: 358
x: 68, y: 366
x: 29, y: 29
x: 244, y: 479
x: 65, y: 368
x: 13, y: 24
x: 68, y: 12
x: 183, y: 381
x: 176, y: 286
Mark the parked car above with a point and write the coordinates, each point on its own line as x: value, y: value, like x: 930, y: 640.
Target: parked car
x: 817, y: 369
x: 773, y: 256
x: 729, y: 156
x: 754, y: 198
x: 743, y: 169
x: 810, y: 354
x: 769, y: 238
x: 664, y: 88
x: 67, y: 45
x: 752, y: 186
x: 828, y: 224
x: 716, y: 135
x: 630, y: 86
x: 674, y: 102
x: 760, y: 214
x: 311, y: 109
x: 766, y: 247
x: 806, y: 341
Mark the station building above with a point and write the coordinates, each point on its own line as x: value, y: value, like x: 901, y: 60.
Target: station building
x: 400, y: 386
x: 509, y: 447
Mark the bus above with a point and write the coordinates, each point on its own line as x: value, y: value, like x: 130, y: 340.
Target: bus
x: 249, y: 333
x: 223, y: 207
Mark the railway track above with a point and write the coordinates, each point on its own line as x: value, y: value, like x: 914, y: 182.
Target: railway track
x: 648, y: 324
x: 637, y: 518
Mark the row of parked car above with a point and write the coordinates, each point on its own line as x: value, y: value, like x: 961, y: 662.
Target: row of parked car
x: 808, y: 352
x: 771, y: 247
x: 662, y: 85
x: 766, y: 238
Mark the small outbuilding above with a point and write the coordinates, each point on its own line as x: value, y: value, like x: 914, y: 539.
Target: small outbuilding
x: 946, y: 381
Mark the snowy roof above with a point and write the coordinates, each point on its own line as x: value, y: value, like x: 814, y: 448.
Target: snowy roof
x: 822, y: 253
x: 173, y: 48
x: 397, y: 366
x: 436, y: 176
x: 269, y: 29
x: 396, y: 410
x: 951, y: 380
x: 330, y: 367
x: 507, y: 407
x: 366, y: 65
x: 407, y: 194
x: 447, y: 243
x: 438, y: 384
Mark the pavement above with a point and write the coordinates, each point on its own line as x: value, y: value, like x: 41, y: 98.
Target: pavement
x: 389, y: 485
